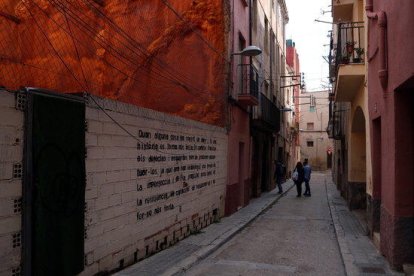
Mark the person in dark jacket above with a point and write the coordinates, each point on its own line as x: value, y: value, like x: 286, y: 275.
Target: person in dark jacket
x: 279, y: 174
x: 308, y: 171
x: 301, y: 177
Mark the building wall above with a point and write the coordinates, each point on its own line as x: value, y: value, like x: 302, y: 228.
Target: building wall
x: 239, y: 156
x: 292, y: 99
x: 238, y: 184
x: 358, y: 140
x: 143, y: 192
x: 390, y: 106
x: 110, y: 52
x: 317, y: 154
x: 126, y: 184
x: 11, y: 157
x: 354, y: 176
x: 267, y: 23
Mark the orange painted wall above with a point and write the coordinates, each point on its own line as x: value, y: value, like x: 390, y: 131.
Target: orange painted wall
x: 171, y: 59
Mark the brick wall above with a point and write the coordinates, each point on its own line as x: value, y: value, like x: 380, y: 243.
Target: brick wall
x: 151, y: 187
x: 145, y: 190
x: 11, y: 155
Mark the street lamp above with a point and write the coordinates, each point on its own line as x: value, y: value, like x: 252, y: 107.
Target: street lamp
x: 249, y: 51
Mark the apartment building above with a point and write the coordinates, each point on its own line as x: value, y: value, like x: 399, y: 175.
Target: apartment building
x: 350, y: 109
x: 243, y: 94
x: 372, y: 118
x: 269, y: 18
x: 315, y: 144
x: 293, y: 90
x: 390, y: 101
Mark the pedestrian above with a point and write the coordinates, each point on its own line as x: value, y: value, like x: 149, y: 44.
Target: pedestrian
x: 300, y: 176
x: 307, y: 176
x: 279, y: 173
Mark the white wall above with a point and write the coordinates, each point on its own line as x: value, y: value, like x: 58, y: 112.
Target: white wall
x: 11, y: 156
x: 119, y: 195
x: 122, y: 188
x: 317, y: 154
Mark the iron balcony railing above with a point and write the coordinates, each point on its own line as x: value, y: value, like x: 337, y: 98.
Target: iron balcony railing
x: 267, y: 114
x: 336, y: 126
x: 248, y: 80
x: 349, y: 46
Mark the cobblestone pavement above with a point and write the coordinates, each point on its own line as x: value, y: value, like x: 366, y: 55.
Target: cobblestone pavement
x: 276, y: 235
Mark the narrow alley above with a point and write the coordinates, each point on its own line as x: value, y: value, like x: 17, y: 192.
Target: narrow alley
x: 286, y: 235
x: 154, y: 137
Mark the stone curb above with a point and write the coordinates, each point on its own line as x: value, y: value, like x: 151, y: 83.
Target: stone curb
x: 205, y: 251
x: 347, y: 258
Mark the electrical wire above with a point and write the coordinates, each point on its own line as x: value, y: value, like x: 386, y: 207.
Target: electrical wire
x: 51, y: 44
x: 102, y: 40
x: 168, y: 5
x: 136, y: 45
x: 133, y: 41
x: 77, y: 52
x: 126, y: 130
x: 90, y: 96
x: 81, y: 85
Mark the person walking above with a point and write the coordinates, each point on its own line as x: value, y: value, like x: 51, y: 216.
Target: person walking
x: 299, y: 179
x: 279, y: 173
x: 307, y: 176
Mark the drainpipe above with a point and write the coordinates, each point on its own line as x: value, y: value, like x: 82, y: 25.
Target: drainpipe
x: 381, y: 19
x: 250, y: 30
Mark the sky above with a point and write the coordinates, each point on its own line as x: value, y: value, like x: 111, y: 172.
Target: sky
x: 310, y: 37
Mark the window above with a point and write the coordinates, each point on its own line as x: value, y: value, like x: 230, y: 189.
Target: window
x: 240, y: 73
x: 242, y: 42
x: 309, y: 144
x: 310, y: 126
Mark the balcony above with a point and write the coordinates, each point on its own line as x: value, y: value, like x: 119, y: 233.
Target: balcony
x: 247, y: 85
x: 347, y: 60
x: 267, y: 116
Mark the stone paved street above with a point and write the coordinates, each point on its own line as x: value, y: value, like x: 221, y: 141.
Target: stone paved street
x: 276, y: 235
x: 295, y: 236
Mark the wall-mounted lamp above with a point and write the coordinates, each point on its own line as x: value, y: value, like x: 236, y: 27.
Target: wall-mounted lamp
x: 249, y: 51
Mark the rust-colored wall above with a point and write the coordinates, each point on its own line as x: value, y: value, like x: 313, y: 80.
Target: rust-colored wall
x: 139, y: 52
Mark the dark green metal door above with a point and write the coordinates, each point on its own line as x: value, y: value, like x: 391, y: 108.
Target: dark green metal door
x: 58, y: 184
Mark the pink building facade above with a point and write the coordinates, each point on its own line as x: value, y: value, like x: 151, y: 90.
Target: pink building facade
x: 238, y: 189
x: 292, y: 60
x: 391, y: 112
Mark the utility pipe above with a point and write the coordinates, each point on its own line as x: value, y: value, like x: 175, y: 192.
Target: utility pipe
x: 381, y: 18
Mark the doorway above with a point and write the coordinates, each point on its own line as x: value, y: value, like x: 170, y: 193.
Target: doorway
x: 54, y: 184
x: 375, y: 211
x: 404, y: 165
x: 265, y: 167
